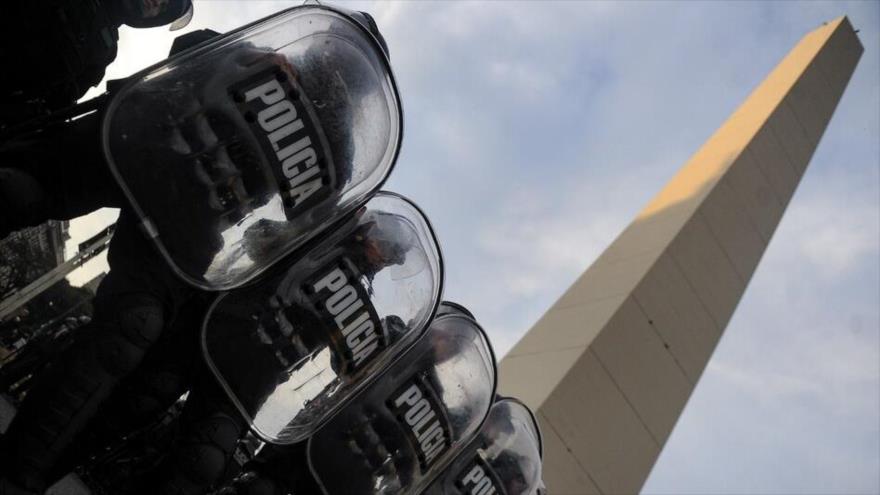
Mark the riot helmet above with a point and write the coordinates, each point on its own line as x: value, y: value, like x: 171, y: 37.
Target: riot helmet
x: 386, y: 243
x: 152, y: 13
x: 387, y: 240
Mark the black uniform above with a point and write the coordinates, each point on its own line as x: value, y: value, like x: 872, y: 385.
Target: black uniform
x: 58, y: 172
x: 51, y: 53
x: 139, y: 298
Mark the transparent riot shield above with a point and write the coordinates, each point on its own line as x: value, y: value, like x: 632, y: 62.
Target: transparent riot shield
x: 292, y: 348
x: 503, y: 459
x: 403, y: 429
x: 236, y: 152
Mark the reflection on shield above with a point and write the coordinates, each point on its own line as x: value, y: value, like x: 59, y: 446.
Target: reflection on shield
x: 296, y: 346
x: 237, y: 152
x: 409, y: 424
x: 503, y: 458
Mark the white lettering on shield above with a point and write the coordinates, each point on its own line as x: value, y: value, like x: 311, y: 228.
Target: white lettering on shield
x: 423, y: 421
x: 477, y: 483
x: 279, y: 120
x: 344, y: 305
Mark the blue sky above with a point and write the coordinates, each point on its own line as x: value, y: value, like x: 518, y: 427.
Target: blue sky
x: 535, y: 131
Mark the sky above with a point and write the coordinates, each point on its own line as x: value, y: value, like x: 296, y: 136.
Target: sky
x: 534, y: 132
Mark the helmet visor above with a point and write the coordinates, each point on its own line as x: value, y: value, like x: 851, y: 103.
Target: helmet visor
x: 182, y: 21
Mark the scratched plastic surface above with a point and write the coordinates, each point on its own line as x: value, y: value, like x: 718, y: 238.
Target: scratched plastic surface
x: 402, y: 430
x: 503, y: 459
x: 236, y: 152
x: 293, y: 348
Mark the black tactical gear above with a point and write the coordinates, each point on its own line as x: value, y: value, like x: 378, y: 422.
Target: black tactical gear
x: 119, y: 360
x: 150, y: 13
x: 53, y: 51
x: 58, y: 174
x: 133, y: 305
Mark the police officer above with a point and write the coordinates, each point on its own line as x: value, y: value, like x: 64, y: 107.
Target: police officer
x: 53, y: 51
x: 136, y: 301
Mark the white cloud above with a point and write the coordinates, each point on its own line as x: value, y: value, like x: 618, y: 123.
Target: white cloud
x: 836, y: 237
x: 522, y: 77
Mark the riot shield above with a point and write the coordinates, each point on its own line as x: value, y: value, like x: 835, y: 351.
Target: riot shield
x: 235, y: 152
x: 503, y: 459
x: 292, y: 348
x: 403, y: 429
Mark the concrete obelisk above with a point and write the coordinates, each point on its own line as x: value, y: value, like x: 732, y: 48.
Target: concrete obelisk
x: 609, y: 368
